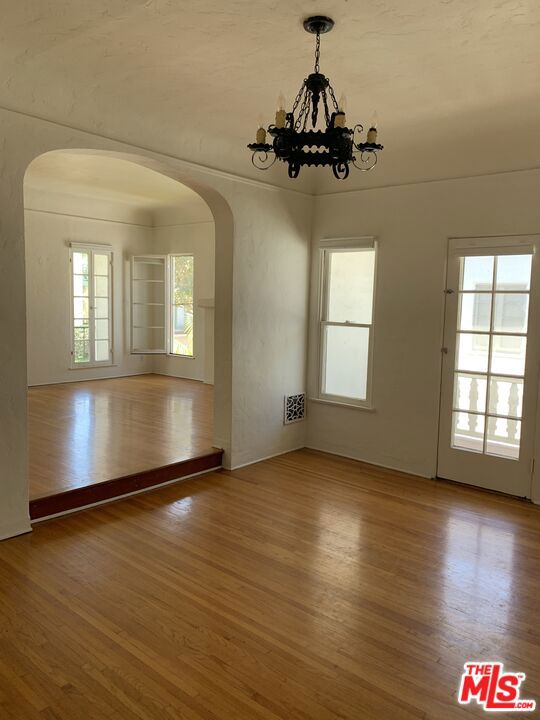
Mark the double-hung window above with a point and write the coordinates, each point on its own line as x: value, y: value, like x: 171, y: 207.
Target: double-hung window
x: 91, y: 305
x: 346, y: 320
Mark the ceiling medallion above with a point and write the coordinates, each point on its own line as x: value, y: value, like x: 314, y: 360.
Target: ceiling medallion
x: 297, y: 145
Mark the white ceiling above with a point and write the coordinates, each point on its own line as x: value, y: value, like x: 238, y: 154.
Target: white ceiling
x: 112, y: 179
x: 455, y: 82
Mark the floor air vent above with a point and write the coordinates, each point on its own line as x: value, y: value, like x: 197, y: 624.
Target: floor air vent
x: 295, y: 408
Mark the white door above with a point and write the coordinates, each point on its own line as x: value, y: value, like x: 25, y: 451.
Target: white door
x: 490, y: 363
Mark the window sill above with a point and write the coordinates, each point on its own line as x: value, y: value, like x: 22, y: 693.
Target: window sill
x: 92, y: 367
x: 337, y: 403
x: 181, y: 357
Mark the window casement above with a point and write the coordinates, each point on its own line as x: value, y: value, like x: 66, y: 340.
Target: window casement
x: 181, y: 305
x: 91, y: 305
x: 347, y: 291
x: 162, y: 304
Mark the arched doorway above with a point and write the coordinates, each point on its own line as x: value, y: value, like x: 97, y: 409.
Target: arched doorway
x: 63, y: 191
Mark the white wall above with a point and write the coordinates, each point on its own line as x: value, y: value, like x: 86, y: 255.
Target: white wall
x: 271, y: 279
x: 412, y: 224
x: 51, y: 222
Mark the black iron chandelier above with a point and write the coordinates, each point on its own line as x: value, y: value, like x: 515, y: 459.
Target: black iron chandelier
x: 295, y: 144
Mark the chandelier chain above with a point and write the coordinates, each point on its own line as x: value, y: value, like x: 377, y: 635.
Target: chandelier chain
x: 318, y: 53
x: 302, y: 114
x: 298, y: 98
x: 326, y: 110
x: 334, y: 101
x: 305, y: 110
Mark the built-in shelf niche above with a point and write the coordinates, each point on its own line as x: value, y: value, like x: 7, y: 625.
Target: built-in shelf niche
x: 149, y: 277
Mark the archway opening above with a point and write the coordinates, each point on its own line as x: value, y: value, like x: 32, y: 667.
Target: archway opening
x: 120, y: 264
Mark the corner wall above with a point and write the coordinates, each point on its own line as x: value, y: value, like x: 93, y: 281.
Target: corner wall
x: 412, y: 224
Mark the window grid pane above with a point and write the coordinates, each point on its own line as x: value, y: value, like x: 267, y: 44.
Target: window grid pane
x: 91, y: 307
x: 182, y: 310
x: 350, y: 285
x: 346, y: 355
x: 487, y: 405
x: 346, y: 322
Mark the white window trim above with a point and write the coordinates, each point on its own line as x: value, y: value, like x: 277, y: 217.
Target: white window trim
x: 343, y: 244
x: 91, y: 249
x: 170, y: 294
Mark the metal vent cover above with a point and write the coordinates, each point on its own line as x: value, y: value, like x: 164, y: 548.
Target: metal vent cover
x: 294, y: 408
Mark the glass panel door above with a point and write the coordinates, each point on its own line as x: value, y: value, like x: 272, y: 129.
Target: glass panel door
x: 81, y: 307
x: 493, y: 310
x: 92, y: 307
x: 489, y: 381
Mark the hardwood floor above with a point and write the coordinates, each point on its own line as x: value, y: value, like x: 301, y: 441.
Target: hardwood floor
x: 304, y: 587
x: 89, y: 432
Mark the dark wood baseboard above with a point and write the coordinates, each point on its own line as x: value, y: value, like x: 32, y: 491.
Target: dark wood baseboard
x: 110, y: 489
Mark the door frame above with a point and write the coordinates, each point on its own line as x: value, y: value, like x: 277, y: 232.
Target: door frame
x: 492, y: 241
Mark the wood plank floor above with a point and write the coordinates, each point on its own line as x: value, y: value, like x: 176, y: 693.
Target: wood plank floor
x: 304, y: 587
x: 88, y: 432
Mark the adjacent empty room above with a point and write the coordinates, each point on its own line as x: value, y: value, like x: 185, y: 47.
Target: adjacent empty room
x: 120, y: 287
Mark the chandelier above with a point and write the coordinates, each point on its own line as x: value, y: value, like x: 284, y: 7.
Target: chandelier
x: 292, y: 141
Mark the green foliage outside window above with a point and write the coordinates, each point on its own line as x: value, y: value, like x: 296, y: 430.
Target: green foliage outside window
x: 183, y: 305
x: 81, y: 345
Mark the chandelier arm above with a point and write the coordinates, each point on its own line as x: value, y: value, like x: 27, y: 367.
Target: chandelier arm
x: 368, y: 160
x: 358, y: 128
x: 260, y: 159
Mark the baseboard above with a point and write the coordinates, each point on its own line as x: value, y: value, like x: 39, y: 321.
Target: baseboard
x: 369, y: 462
x: 177, y: 377
x: 11, y: 530
x: 267, y: 457
x: 128, y: 484
x: 78, y: 379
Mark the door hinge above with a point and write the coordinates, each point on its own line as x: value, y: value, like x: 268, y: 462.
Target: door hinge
x: 444, y: 350
x: 532, y: 466
x: 448, y: 291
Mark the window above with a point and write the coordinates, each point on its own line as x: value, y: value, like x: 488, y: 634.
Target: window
x: 491, y: 348
x: 91, y: 306
x: 181, y: 299
x: 346, y: 321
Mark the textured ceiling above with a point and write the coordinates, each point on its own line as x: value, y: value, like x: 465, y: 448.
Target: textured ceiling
x: 455, y: 82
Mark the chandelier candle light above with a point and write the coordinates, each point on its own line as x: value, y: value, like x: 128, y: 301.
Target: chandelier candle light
x: 297, y: 145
